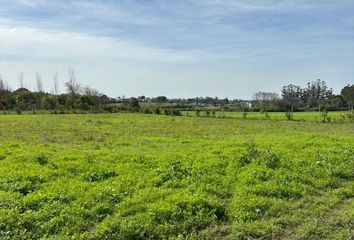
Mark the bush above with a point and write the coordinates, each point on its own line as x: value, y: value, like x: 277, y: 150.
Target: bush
x: 250, y: 154
x: 244, y: 115
x: 197, y: 112
x: 165, y: 111
x: 289, y: 116
x: 266, y: 115
x: 157, y: 111
x: 324, y: 117
x: 172, y: 112
x: 146, y: 110
x: 350, y: 116
x: 176, y: 112
x: 18, y: 111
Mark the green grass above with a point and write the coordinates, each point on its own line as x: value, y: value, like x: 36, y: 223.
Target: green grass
x: 135, y: 176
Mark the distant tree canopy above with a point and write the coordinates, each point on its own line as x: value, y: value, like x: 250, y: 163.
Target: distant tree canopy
x: 160, y: 99
x: 316, y: 95
x: 348, y: 95
x: 291, y: 95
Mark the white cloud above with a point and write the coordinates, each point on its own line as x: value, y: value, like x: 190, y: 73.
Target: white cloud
x: 189, y: 47
x: 32, y: 42
x: 272, y: 5
x: 99, y: 60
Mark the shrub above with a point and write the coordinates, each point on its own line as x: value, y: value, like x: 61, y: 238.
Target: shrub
x: 197, y: 112
x: 266, y: 115
x: 244, y: 115
x: 350, y: 116
x: 165, y: 111
x: 324, y: 117
x: 289, y: 116
x: 18, y: 111
x: 250, y: 154
x: 176, y: 112
x: 157, y: 111
x: 146, y: 110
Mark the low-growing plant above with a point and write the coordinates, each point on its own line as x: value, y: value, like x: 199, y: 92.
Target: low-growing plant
x: 95, y: 176
x: 42, y: 159
x: 249, y: 154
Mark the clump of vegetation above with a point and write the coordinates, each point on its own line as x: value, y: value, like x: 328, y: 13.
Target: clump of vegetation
x: 42, y: 159
x: 350, y: 116
x: 265, y: 113
x: 244, y: 115
x: 172, y: 112
x: 95, y: 176
x: 197, y: 112
x: 324, y: 117
x: 289, y: 116
x: 250, y: 154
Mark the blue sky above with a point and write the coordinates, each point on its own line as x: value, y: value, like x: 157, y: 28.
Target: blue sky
x: 225, y: 48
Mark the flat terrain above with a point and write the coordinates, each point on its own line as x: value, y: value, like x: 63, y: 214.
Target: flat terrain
x: 135, y: 176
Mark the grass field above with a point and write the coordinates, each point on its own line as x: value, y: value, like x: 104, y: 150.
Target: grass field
x: 136, y: 176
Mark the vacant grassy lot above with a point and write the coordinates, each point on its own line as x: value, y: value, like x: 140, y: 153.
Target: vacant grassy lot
x: 132, y: 176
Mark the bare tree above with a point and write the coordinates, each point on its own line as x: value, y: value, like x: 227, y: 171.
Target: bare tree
x: 73, y: 88
x: 55, y: 83
x: 39, y: 83
x: 20, y: 80
x: 2, y: 84
x: 265, y: 99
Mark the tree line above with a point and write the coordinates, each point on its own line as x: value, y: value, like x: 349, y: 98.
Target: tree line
x: 315, y: 96
x: 76, y: 96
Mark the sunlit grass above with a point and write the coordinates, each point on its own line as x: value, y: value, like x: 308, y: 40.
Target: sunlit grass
x: 135, y: 176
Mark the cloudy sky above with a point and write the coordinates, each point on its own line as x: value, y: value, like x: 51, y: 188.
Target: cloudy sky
x: 225, y: 48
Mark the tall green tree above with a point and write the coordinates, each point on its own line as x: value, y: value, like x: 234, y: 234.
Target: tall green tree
x: 291, y: 94
x: 316, y: 93
x: 348, y: 95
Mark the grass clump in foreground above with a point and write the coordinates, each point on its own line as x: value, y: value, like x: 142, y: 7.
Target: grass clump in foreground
x: 132, y: 176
